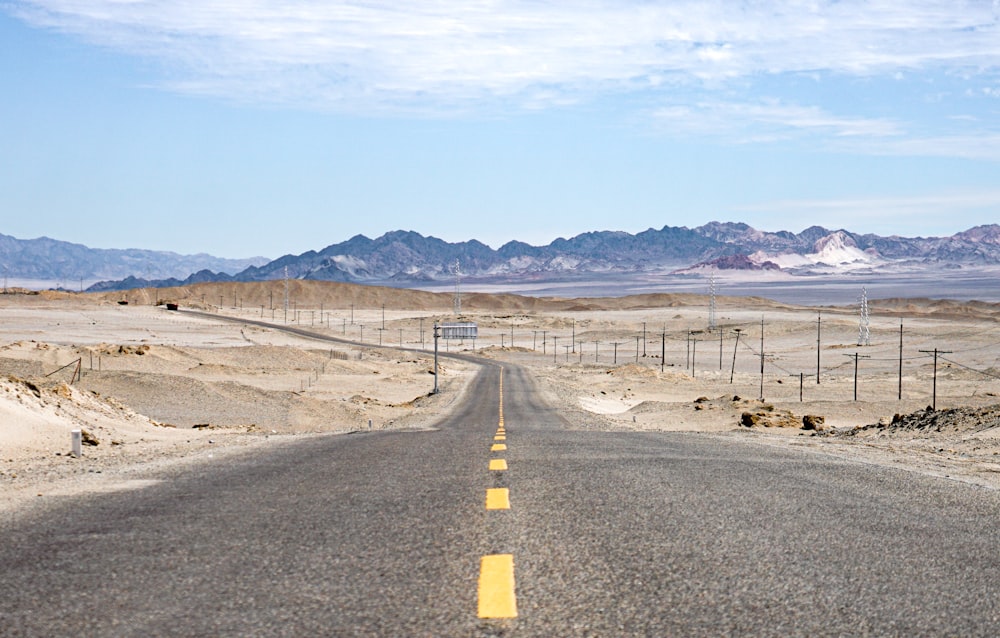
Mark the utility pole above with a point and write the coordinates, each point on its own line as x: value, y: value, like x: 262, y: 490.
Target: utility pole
x: 573, y: 341
x: 688, y: 362
x: 616, y: 344
x: 711, y: 304
x: 663, y: 350
x: 737, y: 345
x: 934, y: 386
x: 596, y: 354
x: 637, y: 344
x: 694, y: 350
x: 643, y: 339
x: 543, y: 341
x: 720, y: 349
x: 762, y: 358
x: 900, y: 396
x: 856, y: 357
x: 555, y: 351
x: 819, y: 323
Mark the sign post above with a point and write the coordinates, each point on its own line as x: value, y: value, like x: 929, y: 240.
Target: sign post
x: 459, y: 330
x: 436, y: 335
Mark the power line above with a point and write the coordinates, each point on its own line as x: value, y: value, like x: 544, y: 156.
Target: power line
x: 971, y: 369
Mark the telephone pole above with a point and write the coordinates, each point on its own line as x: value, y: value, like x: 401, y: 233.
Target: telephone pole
x: 900, y: 397
x: 732, y: 372
x: 934, y: 386
x: 856, y: 357
x: 762, y: 358
x: 711, y: 303
x: 819, y: 324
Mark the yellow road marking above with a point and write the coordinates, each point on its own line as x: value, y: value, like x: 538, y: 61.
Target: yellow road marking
x: 498, y: 465
x: 498, y: 447
x: 500, y: 437
x: 496, y: 587
x: 498, y: 498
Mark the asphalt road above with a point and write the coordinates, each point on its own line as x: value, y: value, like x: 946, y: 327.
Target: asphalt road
x: 612, y: 534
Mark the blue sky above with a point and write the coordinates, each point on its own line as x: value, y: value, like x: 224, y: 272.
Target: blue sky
x: 266, y: 128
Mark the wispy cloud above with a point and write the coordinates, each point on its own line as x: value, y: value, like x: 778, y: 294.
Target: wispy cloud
x: 769, y: 120
x: 443, y: 54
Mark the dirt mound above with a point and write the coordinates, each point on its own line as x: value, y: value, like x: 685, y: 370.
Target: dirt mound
x: 633, y: 371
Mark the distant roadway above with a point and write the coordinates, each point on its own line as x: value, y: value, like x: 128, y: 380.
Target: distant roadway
x: 585, y: 533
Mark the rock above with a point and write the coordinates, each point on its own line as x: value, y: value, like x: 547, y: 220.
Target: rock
x: 749, y: 419
x: 813, y: 422
x: 87, y: 438
x: 701, y: 400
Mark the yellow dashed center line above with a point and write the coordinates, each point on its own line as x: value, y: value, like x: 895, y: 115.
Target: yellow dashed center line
x: 496, y: 571
x: 496, y: 587
x: 498, y: 498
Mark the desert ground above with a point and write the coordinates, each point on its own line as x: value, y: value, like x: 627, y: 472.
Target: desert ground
x: 150, y: 386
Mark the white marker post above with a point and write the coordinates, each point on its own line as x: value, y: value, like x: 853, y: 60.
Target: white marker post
x: 76, y: 443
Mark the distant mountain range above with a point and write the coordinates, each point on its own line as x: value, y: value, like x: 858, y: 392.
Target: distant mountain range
x: 45, y: 259
x: 406, y: 258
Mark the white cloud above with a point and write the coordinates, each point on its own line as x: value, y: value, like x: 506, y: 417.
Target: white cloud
x: 979, y: 146
x: 771, y: 119
x: 373, y: 54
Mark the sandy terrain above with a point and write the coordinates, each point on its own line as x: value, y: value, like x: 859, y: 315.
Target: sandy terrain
x: 153, y: 386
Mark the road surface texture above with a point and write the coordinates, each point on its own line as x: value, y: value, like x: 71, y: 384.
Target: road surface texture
x: 610, y: 534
